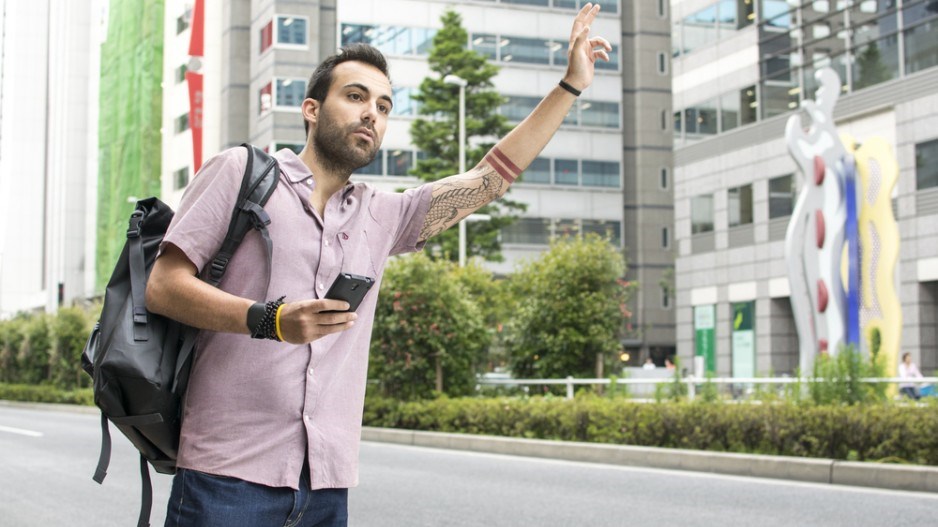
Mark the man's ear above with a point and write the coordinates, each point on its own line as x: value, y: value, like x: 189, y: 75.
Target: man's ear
x: 310, y: 109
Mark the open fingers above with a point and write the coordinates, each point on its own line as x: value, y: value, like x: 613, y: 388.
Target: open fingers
x: 584, y: 19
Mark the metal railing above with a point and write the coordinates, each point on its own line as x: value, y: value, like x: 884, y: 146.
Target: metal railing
x: 692, y: 383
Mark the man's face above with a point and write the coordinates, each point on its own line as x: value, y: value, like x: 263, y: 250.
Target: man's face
x: 354, y: 117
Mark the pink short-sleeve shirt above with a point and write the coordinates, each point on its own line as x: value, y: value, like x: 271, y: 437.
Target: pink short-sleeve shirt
x: 255, y: 409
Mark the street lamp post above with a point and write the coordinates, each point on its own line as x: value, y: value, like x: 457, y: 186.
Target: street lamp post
x: 459, y: 81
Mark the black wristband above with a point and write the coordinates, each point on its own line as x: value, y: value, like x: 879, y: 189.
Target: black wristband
x: 255, y: 316
x: 569, y: 88
x: 267, y: 327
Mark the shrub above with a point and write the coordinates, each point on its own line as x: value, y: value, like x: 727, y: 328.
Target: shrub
x: 867, y: 432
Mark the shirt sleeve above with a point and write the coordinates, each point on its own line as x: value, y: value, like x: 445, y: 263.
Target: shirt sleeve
x: 403, y: 213
x: 201, y: 222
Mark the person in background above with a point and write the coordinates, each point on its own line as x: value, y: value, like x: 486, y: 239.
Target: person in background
x: 908, y: 370
x: 649, y: 364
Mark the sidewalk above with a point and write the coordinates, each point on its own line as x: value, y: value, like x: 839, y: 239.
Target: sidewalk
x: 879, y: 475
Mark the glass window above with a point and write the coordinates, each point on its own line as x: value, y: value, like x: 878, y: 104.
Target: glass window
x: 921, y: 46
x: 352, y: 33
x: 558, y: 53
x: 702, y: 118
x: 663, y: 182
x: 676, y: 28
x: 525, y: 50
x: 665, y: 238
x: 566, y: 172
x: 597, y: 113
x: 729, y: 111
x: 700, y: 29
x: 267, y: 36
x: 749, y: 105
x: 926, y: 165
x: 422, y: 40
x: 678, y: 123
x: 781, y: 196
x: 181, y: 73
x: 400, y: 162
x: 266, y: 98
x: 601, y: 174
x: 544, y: 3
x: 779, y: 96
x: 181, y: 178
x: 740, y: 205
x: 665, y: 298
x: 392, y: 40
x: 776, y: 13
x: 534, y: 231
x: 662, y: 63
x: 403, y: 103
x: 291, y: 30
x: 876, y: 62
x: 612, y: 65
x: 608, y: 6
x: 375, y: 168
x: 701, y: 214
x: 537, y: 172
x: 182, y: 23
x: 290, y: 92
x: 611, y: 230
x: 486, y: 45
x: 566, y: 4
x: 566, y: 228
x: 182, y: 123
x: 516, y: 108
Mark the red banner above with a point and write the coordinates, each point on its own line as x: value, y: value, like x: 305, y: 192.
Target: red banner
x: 197, y: 38
x: 195, y: 117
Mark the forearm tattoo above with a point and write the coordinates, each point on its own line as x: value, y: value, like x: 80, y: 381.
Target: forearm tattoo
x: 505, y: 168
x: 454, y: 195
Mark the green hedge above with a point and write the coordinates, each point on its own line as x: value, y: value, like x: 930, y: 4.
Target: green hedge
x: 45, y: 394
x: 865, y: 433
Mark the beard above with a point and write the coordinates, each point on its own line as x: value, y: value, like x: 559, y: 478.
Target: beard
x: 332, y: 148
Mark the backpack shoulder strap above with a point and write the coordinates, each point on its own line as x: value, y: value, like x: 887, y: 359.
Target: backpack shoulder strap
x: 261, y: 174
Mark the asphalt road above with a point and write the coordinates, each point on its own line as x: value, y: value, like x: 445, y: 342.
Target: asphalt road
x: 47, y: 458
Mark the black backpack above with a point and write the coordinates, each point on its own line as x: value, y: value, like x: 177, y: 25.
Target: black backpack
x: 140, y: 361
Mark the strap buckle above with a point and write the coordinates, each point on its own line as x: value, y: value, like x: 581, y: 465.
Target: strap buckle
x: 136, y: 219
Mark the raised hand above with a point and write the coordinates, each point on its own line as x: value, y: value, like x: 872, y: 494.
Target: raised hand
x: 584, y: 50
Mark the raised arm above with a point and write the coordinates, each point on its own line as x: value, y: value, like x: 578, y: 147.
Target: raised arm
x: 455, y: 197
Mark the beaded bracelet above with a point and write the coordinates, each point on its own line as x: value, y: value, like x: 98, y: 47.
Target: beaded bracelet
x: 267, y: 328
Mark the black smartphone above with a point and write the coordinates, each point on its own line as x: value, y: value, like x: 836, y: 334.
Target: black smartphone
x: 351, y: 288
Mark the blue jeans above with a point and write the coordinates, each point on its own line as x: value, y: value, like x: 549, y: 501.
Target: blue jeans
x: 198, y: 499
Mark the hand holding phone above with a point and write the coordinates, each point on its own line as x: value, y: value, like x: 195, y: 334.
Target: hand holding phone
x: 351, y: 288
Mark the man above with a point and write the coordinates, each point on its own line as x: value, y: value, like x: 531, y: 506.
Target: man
x: 271, y: 427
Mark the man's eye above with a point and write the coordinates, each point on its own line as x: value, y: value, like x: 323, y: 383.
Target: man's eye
x: 384, y: 109
x: 355, y: 96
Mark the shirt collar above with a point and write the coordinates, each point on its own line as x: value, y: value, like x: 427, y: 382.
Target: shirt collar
x: 296, y: 170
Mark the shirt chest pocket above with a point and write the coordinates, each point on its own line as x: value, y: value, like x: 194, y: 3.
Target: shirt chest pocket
x: 360, y: 254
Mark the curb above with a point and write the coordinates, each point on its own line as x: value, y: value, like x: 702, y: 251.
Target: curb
x: 893, y: 477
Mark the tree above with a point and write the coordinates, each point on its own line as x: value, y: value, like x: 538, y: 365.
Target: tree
x: 428, y: 334
x: 496, y: 305
x: 437, y: 135
x: 573, y: 308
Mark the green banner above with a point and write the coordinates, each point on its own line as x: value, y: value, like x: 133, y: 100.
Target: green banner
x: 704, y: 336
x: 744, y: 340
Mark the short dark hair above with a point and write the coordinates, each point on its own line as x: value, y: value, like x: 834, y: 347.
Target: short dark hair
x: 321, y: 79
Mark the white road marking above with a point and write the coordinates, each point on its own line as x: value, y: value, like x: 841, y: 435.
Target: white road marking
x: 20, y: 431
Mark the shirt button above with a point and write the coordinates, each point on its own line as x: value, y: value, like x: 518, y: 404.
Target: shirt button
x: 306, y: 417
x: 311, y: 372
x: 320, y: 286
x: 309, y: 181
x: 327, y: 243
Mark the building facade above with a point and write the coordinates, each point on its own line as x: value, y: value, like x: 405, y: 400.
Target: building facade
x: 741, y: 69
x: 48, y: 137
x: 608, y: 170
